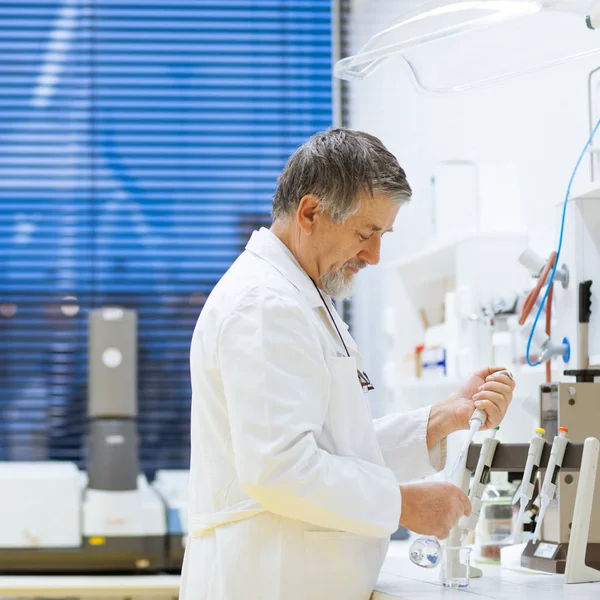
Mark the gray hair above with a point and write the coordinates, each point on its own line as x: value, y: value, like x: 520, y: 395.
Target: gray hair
x: 338, y: 166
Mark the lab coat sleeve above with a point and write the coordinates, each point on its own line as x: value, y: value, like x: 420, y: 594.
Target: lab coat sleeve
x: 402, y: 438
x: 276, y: 386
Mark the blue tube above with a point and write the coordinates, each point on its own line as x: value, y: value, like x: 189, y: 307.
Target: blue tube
x: 560, y: 241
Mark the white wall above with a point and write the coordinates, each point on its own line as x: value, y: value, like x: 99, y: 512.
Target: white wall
x: 538, y: 123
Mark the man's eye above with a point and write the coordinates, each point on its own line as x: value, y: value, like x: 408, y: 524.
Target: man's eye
x: 363, y: 238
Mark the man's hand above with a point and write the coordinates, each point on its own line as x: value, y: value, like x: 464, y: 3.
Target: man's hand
x: 487, y: 389
x: 433, y: 508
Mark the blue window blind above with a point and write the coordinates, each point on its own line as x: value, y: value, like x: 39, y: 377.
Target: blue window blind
x: 140, y: 142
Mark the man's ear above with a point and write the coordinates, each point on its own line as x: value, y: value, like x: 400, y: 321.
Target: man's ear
x: 308, y: 213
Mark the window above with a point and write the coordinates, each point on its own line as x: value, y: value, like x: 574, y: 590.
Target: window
x: 140, y: 142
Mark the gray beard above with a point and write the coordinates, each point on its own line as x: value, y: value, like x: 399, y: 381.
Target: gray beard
x: 336, y: 285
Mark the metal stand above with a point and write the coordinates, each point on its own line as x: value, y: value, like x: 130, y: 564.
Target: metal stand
x: 576, y: 571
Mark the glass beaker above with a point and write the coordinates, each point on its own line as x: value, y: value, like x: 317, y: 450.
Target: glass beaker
x: 456, y: 565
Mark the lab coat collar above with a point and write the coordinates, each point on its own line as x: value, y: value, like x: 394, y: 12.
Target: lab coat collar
x: 269, y: 247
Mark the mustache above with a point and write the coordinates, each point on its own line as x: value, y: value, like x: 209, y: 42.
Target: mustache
x: 359, y: 264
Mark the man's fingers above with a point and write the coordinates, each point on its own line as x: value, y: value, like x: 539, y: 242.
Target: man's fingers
x: 502, y: 378
x: 491, y: 407
x: 485, y: 373
x: 495, y: 386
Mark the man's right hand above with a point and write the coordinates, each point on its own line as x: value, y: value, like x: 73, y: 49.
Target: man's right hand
x: 433, y: 508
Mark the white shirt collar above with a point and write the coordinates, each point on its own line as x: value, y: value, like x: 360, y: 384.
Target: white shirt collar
x: 268, y: 246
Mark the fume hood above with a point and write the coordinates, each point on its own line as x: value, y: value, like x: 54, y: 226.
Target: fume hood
x: 454, y: 46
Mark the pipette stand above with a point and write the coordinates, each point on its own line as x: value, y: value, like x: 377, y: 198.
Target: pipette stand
x: 572, y: 405
x: 455, y: 568
x: 576, y: 571
x: 580, y: 459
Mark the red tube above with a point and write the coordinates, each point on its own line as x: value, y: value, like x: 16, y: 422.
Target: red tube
x: 535, y: 292
x: 531, y: 300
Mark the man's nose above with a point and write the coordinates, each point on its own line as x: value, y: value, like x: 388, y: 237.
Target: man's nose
x: 371, y: 253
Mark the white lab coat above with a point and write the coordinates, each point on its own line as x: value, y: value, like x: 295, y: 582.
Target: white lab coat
x: 294, y: 488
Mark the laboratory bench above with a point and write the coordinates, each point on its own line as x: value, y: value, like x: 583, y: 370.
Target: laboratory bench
x: 399, y: 579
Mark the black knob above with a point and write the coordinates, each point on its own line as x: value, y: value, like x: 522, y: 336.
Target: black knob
x: 585, y: 301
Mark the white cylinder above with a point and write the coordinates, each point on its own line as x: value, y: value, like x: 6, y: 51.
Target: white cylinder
x: 532, y: 261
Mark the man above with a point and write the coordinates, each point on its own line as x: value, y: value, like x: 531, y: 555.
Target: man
x: 294, y: 489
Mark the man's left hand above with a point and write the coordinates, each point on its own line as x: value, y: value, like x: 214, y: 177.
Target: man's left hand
x: 488, y: 389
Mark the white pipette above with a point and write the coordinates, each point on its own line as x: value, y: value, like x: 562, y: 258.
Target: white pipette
x: 477, y: 420
x: 421, y: 551
x: 549, y: 486
x: 480, y: 481
x: 425, y: 551
x: 534, y: 457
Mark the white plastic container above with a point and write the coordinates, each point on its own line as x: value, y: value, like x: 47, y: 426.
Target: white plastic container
x: 40, y: 505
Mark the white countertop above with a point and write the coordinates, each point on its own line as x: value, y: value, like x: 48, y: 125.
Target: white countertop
x: 399, y: 579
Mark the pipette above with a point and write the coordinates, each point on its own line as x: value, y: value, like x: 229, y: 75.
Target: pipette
x: 426, y: 550
x: 480, y: 481
x: 549, y: 486
x: 534, y: 457
x: 477, y: 420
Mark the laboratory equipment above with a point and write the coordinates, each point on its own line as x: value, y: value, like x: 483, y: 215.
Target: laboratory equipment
x: 477, y: 420
x: 502, y: 32
x: 538, y: 267
x: 580, y: 460
x: 548, y: 349
x: 575, y: 406
x: 452, y: 555
x: 57, y: 519
x: 548, y: 407
x: 119, y: 507
x: 585, y: 311
x: 479, y: 483
x: 525, y: 494
x: 587, y: 249
x: 576, y: 569
x: 425, y: 552
x: 40, y: 505
x: 495, y: 527
x: 550, y: 480
x: 172, y: 486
